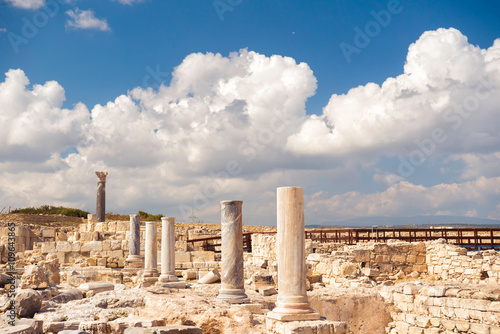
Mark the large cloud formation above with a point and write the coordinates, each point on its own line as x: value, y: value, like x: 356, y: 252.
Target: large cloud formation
x: 236, y: 127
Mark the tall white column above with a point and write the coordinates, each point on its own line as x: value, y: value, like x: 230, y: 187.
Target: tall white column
x: 168, y: 250
x: 151, y: 256
x: 232, y: 278
x: 292, y: 303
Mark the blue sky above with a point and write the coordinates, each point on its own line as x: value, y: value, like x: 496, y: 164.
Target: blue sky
x: 97, y: 51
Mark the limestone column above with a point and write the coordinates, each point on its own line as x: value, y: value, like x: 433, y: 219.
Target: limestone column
x: 232, y: 278
x: 101, y: 196
x: 151, y: 248
x: 168, y: 250
x: 292, y: 303
x: 134, y: 256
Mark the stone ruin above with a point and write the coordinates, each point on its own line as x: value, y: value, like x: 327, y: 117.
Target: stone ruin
x: 107, y: 277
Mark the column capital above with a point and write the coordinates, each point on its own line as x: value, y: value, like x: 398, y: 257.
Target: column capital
x: 101, y: 176
x: 169, y: 219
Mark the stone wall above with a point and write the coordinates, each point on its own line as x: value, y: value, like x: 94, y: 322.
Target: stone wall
x: 377, y: 261
x: 454, y: 263
x: 24, y: 240
x: 420, y: 309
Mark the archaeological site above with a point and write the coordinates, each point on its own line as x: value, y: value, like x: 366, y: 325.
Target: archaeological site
x: 103, y: 276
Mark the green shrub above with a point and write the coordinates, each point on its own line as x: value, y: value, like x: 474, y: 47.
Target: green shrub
x: 52, y: 210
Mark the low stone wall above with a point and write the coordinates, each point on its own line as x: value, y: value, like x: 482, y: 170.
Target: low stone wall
x: 420, y: 309
x: 377, y: 261
x: 454, y: 263
x: 24, y: 240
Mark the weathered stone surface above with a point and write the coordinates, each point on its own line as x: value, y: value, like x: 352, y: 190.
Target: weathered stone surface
x: 19, y: 329
x: 66, y: 296
x: 4, y: 279
x: 232, y: 278
x: 171, y: 329
x: 90, y: 289
x: 211, y: 277
x: 34, y: 277
x: 292, y: 301
x: 28, y: 302
x: 168, y: 250
x: 301, y: 327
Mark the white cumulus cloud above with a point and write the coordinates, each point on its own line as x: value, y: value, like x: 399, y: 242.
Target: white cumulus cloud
x: 129, y: 2
x: 27, y: 4
x: 444, y: 99
x: 85, y: 19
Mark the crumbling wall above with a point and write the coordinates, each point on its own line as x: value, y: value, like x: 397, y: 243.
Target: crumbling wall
x: 445, y: 309
x: 455, y: 263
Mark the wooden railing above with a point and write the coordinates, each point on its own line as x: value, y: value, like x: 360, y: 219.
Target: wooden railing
x: 216, y: 241
x: 473, y: 238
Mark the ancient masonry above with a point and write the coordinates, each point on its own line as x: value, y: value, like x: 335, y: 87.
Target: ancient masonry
x: 104, y: 278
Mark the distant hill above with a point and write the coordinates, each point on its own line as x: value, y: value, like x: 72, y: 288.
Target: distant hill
x: 415, y: 221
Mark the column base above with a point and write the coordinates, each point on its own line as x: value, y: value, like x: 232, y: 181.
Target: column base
x: 134, y: 261
x: 293, y: 316
x: 233, y: 296
x: 150, y: 273
x: 164, y: 278
x: 293, y: 311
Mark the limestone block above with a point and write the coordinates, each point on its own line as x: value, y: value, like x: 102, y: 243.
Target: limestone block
x: 48, y: 247
x: 76, y: 246
x: 125, y: 245
x: 262, y: 281
x: 183, y: 257
x: 117, y: 253
x: 111, y: 226
x: 479, y: 328
x: 495, y: 330
x: 386, y: 267
x: 49, y: 233
x: 181, y: 246
x: 415, y: 330
x: 34, y: 277
x: 63, y: 246
x: 115, y: 245
x: 122, y: 226
x: 91, y: 262
x: 361, y: 255
x: 202, y: 256
x: 475, y: 304
x: 92, y: 246
x: 121, y: 235
x: 398, y: 258
x: 302, y: 327
x: 106, y: 245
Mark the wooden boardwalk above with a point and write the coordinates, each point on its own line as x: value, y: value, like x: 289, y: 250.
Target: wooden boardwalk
x: 471, y: 238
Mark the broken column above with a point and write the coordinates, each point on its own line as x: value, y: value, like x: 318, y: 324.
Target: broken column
x: 292, y: 303
x: 232, y: 278
x: 101, y: 196
x: 151, y: 249
x: 134, y: 259
x: 168, y: 250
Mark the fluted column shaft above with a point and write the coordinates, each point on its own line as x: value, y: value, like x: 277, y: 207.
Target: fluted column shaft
x: 168, y: 250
